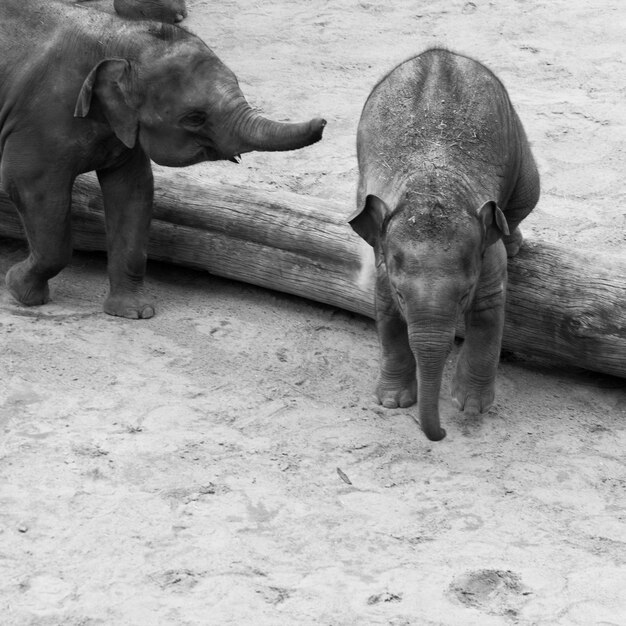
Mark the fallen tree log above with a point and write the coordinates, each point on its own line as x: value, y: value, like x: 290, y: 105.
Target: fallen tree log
x: 563, y: 305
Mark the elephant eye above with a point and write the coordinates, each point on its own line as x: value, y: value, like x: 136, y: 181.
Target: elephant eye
x: 196, y: 118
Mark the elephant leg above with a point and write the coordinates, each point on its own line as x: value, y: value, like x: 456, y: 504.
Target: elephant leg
x: 473, y: 386
x: 43, y: 203
x: 397, y: 382
x: 523, y: 199
x: 127, y: 192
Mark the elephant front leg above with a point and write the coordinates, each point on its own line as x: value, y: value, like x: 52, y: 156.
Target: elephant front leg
x: 128, y: 192
x: 397, y: 382
x: 473, y: 386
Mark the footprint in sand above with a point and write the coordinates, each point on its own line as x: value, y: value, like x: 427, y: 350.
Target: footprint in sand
x: 496, y: 592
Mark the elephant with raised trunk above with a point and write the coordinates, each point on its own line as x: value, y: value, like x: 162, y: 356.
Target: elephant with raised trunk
x: 445, y: 177
x: 82, y: 90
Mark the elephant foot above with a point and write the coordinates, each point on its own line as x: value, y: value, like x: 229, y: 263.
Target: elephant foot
x: 26, y: 288
x: 472, y: 402
x: 393, y: 394
x: 470, y: 399
x: 130, y: 306
x: 513, y: 242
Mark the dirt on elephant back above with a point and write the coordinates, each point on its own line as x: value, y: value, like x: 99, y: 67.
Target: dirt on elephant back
x: 224, y: 463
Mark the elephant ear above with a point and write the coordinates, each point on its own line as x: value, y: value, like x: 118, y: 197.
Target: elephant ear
x: 494, y: 222
x: 109, y: 84
x: 368, y: 221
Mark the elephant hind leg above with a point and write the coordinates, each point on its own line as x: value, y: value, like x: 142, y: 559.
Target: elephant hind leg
x: 523, y: 199
x: 513, y: 242
x: 45, y: 215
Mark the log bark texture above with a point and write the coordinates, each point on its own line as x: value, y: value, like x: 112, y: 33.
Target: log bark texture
x: 563, y: 305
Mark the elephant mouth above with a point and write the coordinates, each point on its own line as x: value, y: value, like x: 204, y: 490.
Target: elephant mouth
x: 208, y: 152
x: 212, y: 155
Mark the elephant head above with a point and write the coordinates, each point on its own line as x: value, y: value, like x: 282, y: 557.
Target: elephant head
x: 431, y: 258
x: 182, y: 104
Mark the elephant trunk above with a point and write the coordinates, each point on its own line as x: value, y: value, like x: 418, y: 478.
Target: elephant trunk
x: 255, y: 132
x: 431, y: 350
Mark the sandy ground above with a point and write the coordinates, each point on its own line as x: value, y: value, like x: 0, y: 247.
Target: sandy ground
x: 223, y: 463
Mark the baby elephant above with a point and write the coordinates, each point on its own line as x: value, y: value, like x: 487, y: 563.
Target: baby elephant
x: 445, y: 177
x: 126, y: 93
x: 170, y: 11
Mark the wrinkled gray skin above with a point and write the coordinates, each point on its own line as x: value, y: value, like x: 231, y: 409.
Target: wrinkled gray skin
x: 446, y: 176
x: 82, y: 90
x: 170, y: 11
